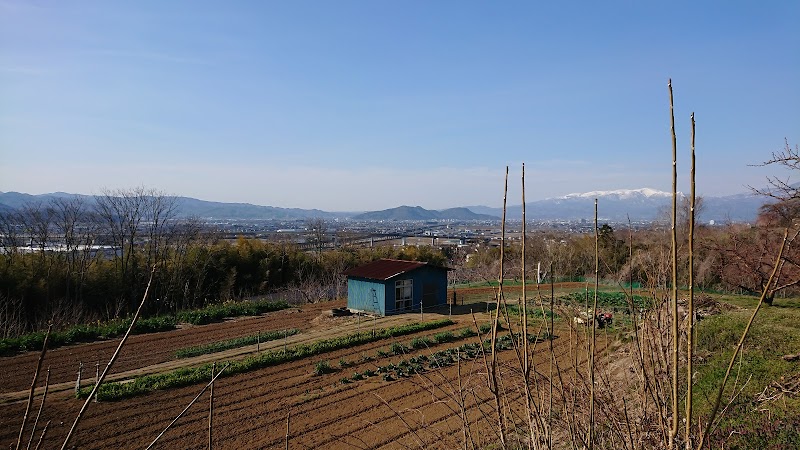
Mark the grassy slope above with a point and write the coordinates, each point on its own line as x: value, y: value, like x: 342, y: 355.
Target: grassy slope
x: 776, y: 332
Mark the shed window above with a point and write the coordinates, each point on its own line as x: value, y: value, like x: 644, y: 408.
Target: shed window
x: 403, y: 294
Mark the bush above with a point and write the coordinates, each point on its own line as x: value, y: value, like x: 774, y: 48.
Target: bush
x: 444, y: 336
x: 398, y: 348
x: 467, y: 332
x: 322, y: 367
x: 419, y: 343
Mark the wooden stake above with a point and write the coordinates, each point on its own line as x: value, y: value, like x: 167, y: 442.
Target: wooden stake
x: 33, y: 385
x: 78, y: 380
x: 288, y: 415
x: 96, y: 377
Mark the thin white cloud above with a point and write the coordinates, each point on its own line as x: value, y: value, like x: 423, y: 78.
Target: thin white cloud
x: 22, y: 70
x: 146, y: 55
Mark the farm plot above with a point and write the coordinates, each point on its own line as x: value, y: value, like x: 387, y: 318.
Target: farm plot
x: 251, y: 408
x: 148, y: 349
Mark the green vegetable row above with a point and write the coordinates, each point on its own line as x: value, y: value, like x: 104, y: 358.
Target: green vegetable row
x: 117, y: 327
x: 220, y: 346
x: 193, y: 375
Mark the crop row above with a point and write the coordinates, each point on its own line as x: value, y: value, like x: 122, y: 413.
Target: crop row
x: 228, y: 344
x: 442, y: 358
x: 118, y: 327
x: 192, y: 375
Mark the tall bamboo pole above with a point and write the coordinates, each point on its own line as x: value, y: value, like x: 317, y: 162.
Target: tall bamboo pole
x: 552, y: 360
x: 33, y: 385
x: 524, y: 294
x: 494, y: 387
x: 210, y: 383
x: 673, y: 432
x: 44, y: 433
x: 99, y: 381
x: 41, y: 408
x: 211, y: 407
x: 592, y: 324
x: 690, y: 331
x: 526, y: 361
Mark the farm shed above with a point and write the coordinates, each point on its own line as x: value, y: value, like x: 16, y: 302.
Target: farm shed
x: 391, y: 286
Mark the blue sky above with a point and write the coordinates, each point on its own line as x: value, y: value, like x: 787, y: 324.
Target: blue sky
x: 343, y: 105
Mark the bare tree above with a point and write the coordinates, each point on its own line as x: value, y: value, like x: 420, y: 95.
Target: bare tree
x: 316, y: 228
x: 778, y: 188
x: 135, y: 218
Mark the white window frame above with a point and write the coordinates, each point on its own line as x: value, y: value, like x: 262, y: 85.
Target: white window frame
x: 403, y: 294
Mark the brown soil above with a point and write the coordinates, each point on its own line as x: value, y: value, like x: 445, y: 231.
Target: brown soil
x: 147, y: 349
x: 250, y: 410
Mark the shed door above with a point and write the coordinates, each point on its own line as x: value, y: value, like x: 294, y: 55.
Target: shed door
x: 429, y: 295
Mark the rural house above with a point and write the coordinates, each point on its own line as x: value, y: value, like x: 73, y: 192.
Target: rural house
x: 391, y: 286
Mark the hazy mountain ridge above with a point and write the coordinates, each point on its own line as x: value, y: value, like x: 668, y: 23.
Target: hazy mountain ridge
x: 187, y: 207
x: 617, y: 205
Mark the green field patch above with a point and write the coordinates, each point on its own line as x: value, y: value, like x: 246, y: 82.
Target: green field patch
x: 619, y: 300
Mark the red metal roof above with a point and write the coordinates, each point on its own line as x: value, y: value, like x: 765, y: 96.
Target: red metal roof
x: 383, y: 269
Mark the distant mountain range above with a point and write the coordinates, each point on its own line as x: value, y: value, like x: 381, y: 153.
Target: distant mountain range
x: 638, y: 204
x: 419, y: 213
x: 189, y: 207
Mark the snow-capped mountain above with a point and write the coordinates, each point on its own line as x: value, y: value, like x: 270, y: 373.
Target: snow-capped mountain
x: 638, y: 204
x: 621, y: 194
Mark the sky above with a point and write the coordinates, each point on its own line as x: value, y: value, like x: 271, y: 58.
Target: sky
x: 365, y: 105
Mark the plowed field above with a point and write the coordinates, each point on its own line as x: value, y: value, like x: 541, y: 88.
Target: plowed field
x: 251, y: 409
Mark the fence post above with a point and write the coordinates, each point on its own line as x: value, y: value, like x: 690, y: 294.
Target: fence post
x: 96, y: 378
x: 78, y: 381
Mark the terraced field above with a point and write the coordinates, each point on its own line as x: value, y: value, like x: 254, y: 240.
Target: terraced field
x: 251, y: 409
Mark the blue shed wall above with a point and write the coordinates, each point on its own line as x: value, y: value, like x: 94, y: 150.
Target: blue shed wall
x: 432, y: 276
x: 359, y: 295
x: 359, y: 290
